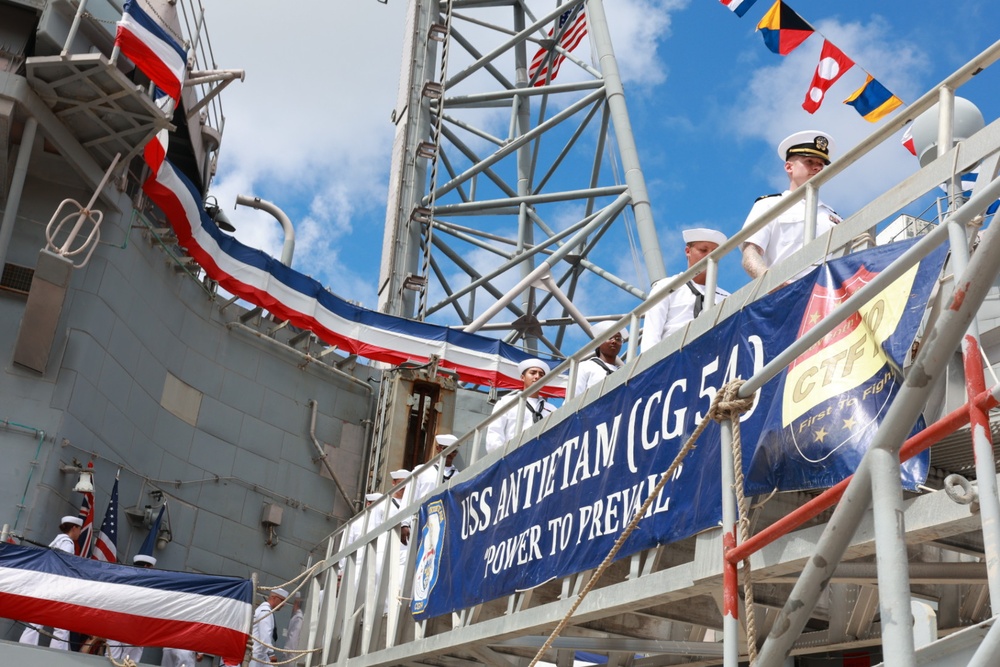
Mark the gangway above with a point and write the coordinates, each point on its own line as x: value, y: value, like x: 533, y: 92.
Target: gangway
x: 822, y: 583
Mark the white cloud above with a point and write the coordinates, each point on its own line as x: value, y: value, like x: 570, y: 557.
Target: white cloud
x: 635, y: 28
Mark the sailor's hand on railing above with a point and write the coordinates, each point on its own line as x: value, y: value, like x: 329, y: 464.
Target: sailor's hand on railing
x: 753, y: 260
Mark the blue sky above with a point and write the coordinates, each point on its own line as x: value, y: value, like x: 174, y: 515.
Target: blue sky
x: 309, y: 129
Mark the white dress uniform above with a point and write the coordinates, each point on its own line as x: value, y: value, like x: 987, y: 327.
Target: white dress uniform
x: 120, y: 651
x: 427, y: 481
x: 675, y: 311
x: 178, y: 657
x: 60, y: 638
x: 593, y: 370
x: 506, y: 427
x: 263, y: 627
x: 354, y: 533
x: 292, y: 634
x: 784, y: 236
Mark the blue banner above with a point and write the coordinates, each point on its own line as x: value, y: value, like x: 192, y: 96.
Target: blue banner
x: 556, y: 505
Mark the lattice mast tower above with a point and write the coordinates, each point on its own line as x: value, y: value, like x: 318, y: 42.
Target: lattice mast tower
x: 512, y: 193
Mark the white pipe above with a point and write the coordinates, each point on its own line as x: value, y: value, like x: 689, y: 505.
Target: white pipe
x: 261, y: 204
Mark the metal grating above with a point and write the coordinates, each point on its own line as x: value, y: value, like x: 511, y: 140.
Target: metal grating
x: 105, y: 111
x: 16, y: 278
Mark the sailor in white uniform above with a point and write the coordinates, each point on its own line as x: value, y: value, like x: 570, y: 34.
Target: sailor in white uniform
x: 263, y: 628
x: 180, y: 657
x: 70, y: 528
x: 805, y: 155
x: 356, y: 530
x: 536, y: 409
x: 400, y: 499
x: 688, y: 300
x: 605, y: 360
x: 294, y: 629
x: 427, y: 481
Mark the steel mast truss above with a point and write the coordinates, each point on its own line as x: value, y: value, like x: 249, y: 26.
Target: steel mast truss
x: 518, y: 183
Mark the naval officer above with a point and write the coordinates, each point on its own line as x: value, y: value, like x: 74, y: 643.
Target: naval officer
x: 686, y: 301
x: 805, y: 154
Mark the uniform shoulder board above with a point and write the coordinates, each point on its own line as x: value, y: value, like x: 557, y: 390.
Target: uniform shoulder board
x: 776, y: 194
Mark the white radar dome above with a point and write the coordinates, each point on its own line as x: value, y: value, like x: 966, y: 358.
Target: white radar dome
x: 968, y: 121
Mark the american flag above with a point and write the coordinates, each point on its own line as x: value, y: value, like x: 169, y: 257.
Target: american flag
x: 87, y: 514
x: 106, y: 546
x: 571, y: 29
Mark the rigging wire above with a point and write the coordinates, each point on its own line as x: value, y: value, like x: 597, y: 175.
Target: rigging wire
x: 428, y: 236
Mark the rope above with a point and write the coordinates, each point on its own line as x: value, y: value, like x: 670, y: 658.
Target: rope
x: 730, y: 408
x: 299, y: 652
x: 425, y: 270
x: 40, y: 629
x: 685, y: 449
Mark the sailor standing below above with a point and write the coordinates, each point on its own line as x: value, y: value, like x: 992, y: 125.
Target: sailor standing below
x: 70, y: 528
x: 605, y: 360
x: 688, y: 300
x: 145, y: 559
x: 263, y: 628
x: 536, y: 409
x: 294, y: 629
x: 399, y: 500
x: 352, y: 534
x: 428, y: 479
x: 805, y: 155
x: 180, y: 657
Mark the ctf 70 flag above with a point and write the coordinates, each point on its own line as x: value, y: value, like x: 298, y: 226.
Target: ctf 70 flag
x: 153, y: 50
x: 831, y: 399
x: 143, y: 607
x: 570, y: 29
x: 106, y: 545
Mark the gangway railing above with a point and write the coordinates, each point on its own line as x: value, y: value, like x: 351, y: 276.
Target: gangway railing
x: 886, y: 491
x: 364, y: 620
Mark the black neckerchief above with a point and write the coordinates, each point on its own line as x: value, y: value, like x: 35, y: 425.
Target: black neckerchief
x: 600, y: 362
x: 536, y: 415
x: 699, y: 298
